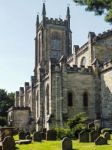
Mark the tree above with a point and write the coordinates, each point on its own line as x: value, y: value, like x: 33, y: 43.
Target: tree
x: 99, y: 7
x: 6, y: 101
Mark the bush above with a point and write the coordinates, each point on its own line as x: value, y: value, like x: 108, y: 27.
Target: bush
x: 63, y: 132
x: 77, y: 129
x: 3, y: 121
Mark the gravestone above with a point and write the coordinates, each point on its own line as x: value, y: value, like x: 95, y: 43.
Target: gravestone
x: 84, y: 136
x: 27, y: 133
x: 51, y: 135
x: 91, y: 125
x: 100, y: 141
x: 28, y: 137
x: 43, y: 135
x: 93, y: 136
x: 8, y: 143
x: 22, y: 135
x: 66, y: 143
x: 97, y: 124
x: 37, y: 136
x: 107, y: 135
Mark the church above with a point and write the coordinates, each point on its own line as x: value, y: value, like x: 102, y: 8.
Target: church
x: 66, y: 81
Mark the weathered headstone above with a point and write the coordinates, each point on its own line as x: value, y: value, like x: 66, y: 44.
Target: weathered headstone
x: 84, y: 136
x: 66, y: 143
x: 28, y: 137
x: 51, y: 135
x: 37, y: 137
x: 22, y: 135
x: 43, y: 135
x: 93, y: 135
x: 107, y: 135
x: 91, y: 125
x: 101, y: 141
x: 27, y: 133
x: 8, y: 143
x: 97, y: 124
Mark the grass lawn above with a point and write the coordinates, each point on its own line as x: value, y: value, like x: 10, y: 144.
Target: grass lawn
x: 56, y: 145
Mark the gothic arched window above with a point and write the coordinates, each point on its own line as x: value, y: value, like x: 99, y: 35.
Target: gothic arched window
x: 70, y: 99
x: 85, y: 99
x: 83, y: 61
x: 55, y: 41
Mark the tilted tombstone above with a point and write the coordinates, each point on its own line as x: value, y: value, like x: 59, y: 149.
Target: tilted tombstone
x: 51, y: 135
x: 84, y: 136
x: 37, y: 136
x: 22, y: 135
x: 8, y: 143
x: 107, y: 135
x: 93, y: 135
x: 66, y: 143
x: 101, y: 141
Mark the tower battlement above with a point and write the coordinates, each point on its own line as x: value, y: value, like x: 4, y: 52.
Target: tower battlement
x: 76, y: 69
x: 56, y: 21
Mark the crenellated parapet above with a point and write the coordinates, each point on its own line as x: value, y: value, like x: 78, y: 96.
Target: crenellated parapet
x: 56, y: 21
x: 76, y: 69
x: 72, y: 69
x: 102, y: 35
x: 106, y: 66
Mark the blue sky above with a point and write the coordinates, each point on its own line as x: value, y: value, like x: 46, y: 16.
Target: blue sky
x: 17, y: 32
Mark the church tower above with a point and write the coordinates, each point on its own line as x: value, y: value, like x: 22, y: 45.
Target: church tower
x: 53, y: 39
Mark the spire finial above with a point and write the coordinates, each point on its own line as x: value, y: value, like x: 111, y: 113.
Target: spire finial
x: 37, y: 21
x: 44, y: 9
x: 68, y: 11
x: 68, y: 16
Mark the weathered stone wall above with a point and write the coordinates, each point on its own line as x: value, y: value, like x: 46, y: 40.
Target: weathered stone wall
x: 80, y: 56
x: 78, y: 83
x: 103, y: 49
x: 106, y: 98
x: 21, y: 118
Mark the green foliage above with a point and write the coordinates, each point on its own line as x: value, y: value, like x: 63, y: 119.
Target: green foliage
x: 80, y: 118
x: 99, y: 7
x: 3, y: 121
x: 6, y: 101
x: 77, y: 124
x: 63, y: 132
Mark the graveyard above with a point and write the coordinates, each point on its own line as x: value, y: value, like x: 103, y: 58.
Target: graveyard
x: 93, y: 140
x: 56, y: 145
x: 90, y: 137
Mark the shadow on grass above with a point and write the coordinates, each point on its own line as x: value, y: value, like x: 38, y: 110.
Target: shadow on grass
x: 75, y: 149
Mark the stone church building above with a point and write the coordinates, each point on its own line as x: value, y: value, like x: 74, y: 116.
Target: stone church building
x: 65, y: 83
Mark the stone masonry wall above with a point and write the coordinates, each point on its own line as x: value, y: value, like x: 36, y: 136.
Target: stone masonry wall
x: 106, y: 98
x: 78, y: 83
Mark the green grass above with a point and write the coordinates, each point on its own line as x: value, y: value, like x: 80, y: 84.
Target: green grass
x: 56, y: 145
